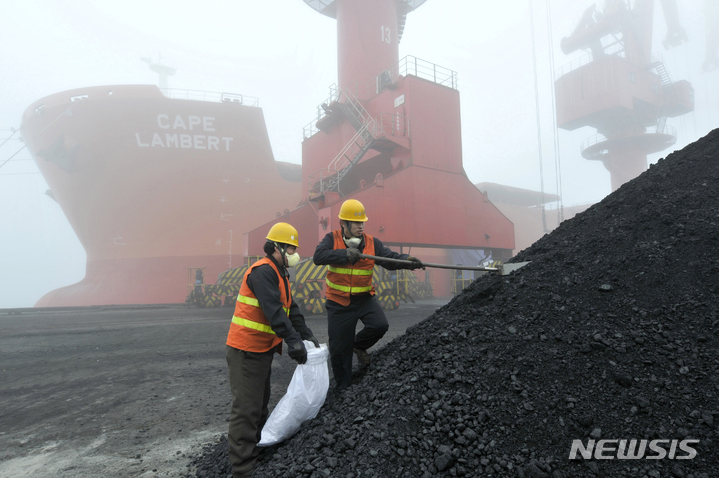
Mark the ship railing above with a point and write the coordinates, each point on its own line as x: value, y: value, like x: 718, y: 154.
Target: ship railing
x: 322, y: 181
x: 329, y: 178
x: 198, y: 95
x: 667, y: 130
x: 311, y: 129
x: 320, y: 5
x: 614, y: 49
x: 591, y: 141
x: 355, y: 147
x: 360, y: 90
x: 655, y: 59
x: 354, y: 110
x: 382, y: 126
x: 573, y: 65
x: 411, y: 65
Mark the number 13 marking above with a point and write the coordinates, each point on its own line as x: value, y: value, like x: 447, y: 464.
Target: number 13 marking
x: 385, y: 34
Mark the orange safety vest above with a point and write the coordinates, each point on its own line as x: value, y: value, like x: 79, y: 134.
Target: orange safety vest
x: 346, y: 279
x: 250, y: 330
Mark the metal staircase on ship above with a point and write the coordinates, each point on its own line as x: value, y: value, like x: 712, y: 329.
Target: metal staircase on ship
x: 370, y: 133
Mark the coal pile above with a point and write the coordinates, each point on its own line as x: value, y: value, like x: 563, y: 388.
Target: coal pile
x: 611, y: 332
x: 212, y: 461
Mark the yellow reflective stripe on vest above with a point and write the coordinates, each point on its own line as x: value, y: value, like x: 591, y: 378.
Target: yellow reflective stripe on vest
x: 351, y: 290
x: 252, y: 325
x: 351, y: 272
x: 248, y: 301
x: 256, y: 303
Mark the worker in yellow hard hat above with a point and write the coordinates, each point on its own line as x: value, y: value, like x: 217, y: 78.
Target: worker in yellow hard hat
x: 265, y: 315
x: 350, y: 294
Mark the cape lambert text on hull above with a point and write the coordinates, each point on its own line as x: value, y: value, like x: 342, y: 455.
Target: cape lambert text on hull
x: 177, y: 139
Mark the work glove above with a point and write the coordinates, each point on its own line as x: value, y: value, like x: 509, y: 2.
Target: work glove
x: 314, y: 340
x: 416, y: 263
x: 353, y: 255
x: 298, y: 352
x: 308, y: 335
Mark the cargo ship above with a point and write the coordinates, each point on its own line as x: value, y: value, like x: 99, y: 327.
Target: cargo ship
x: 154, y: 184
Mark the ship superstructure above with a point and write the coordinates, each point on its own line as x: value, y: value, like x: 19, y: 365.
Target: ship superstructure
x: 389, y: 135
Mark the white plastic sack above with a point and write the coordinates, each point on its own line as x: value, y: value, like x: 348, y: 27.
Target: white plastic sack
x: 305, y: 396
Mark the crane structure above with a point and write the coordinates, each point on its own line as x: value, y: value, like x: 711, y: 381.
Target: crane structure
x: 389, y: 136
x: 620, y: 88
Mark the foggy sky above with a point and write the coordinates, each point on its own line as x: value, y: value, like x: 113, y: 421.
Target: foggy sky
x: 284, y: 53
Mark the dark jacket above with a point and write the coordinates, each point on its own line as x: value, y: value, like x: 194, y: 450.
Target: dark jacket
x: 264, y: 283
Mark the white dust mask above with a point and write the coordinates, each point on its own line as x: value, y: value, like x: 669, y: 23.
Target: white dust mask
x: 292, y: 259
x: 353, y: 242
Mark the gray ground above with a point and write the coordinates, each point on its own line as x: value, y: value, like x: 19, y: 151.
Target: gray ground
x: 124, y: 391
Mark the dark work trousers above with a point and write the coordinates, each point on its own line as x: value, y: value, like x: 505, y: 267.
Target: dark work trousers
x: 250, y: 386
x: 341, y: 325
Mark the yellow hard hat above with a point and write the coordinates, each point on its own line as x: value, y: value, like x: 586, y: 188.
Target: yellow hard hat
x: 352, y: 210
x: 284, y: 233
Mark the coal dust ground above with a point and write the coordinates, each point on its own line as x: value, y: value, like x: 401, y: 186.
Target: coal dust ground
x: 611, y: 332
x: 125, y: 391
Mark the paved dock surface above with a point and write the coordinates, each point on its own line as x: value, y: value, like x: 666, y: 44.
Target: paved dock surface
x: 125, y: 391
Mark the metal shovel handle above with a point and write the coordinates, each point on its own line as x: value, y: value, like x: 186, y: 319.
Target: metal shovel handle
x: 429, y: 264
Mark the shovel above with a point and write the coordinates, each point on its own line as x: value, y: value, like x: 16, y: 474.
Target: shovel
x: 504, y: 269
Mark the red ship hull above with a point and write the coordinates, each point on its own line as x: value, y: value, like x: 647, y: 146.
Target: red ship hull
x: 153, y: 186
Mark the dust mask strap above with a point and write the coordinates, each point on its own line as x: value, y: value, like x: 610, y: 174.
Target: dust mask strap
x: 292, y: 259
x: 282, y: 250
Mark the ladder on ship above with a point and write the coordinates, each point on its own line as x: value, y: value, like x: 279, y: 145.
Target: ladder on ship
x: 355, y: 149
x: 668, y: 86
